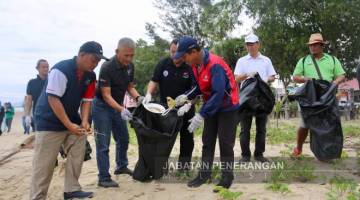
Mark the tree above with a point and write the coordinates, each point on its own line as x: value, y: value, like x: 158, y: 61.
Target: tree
x: 284, y: 27
x: 205, y: 20
x: 230, y: 50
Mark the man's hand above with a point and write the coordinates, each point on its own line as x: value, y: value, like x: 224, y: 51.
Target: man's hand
x: 147, y: 98
x: 139, y: 100
x: 27, y: 121
x: 195, y: 122
x: 87, y: 127
x: 76, y: 129
x: 126, y: 114
x: 180, y: 100
x: 251, y: 74
x: 184, y: 109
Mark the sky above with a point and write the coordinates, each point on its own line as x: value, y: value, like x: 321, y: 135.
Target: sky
x: 55, y: 29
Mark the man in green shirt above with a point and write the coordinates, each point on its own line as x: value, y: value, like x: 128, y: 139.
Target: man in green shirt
x: 330, y: 69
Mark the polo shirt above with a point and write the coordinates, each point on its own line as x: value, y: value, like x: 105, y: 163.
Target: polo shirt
x: 72, y: 87
x: 329, y: 66
x: 117, y: 76
x: 34, y: 88
x: 260, y: 64
x: 173, y: 81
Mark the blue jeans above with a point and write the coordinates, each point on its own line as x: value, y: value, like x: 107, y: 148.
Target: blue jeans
x: 107, y: 120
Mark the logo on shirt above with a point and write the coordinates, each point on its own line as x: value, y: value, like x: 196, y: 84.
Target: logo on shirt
x: 185, y: 75
x: 205, y: 78
x: 87, y: 82
x: 165, y: 73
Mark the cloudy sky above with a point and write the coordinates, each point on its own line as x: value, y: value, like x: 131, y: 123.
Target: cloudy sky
x: 54, y: 30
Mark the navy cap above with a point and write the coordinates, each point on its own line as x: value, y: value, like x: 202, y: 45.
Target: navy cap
x: 185, y: 43
x: 94, y: 48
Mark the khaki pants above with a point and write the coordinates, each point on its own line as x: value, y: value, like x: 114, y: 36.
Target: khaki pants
x: 47, y: 146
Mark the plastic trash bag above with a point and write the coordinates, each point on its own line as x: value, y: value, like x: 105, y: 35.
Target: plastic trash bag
x: 156, y: 135
x: 317, y: 100
x: 256, y: 97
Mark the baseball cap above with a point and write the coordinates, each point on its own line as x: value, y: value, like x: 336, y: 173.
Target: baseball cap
x: 185, y: 43
x: 252, y: 38
x: 94, y: 48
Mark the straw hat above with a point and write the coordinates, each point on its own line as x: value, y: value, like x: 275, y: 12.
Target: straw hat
x: 316, y: 38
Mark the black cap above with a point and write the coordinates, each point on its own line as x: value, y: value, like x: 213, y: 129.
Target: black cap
x: 94, y: 48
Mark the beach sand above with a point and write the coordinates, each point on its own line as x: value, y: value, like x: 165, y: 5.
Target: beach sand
x: 15, y: 176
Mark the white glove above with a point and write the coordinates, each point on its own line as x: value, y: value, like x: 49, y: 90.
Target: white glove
x: 180, y: 100
x: 139, y: 100
x: 126, y: 115
x: 147, y: 98
x: 251, y: 74
x: 195, y: 123
x: 27, y: 121
x: 184, y: 109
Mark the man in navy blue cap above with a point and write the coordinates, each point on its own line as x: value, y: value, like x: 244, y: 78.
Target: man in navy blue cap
x: 216, y: 83
x: 70, y: 86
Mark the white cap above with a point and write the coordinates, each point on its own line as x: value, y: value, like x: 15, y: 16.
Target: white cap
x: 252, y: 38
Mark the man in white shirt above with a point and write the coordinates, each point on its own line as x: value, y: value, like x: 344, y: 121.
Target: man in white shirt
x: 246, y: 67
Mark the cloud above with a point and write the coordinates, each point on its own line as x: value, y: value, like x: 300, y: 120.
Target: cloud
x: 55, y: 29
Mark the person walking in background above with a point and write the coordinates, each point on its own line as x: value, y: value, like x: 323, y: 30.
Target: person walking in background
x: 2, y: 114
x: 33, y: 91
x: 9, y: 115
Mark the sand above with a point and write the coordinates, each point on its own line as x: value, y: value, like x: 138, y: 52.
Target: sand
x: 15, y: 177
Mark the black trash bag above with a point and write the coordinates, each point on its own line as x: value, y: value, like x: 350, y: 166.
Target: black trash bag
x: 256, y: 97
x: 156, y: 136
x: 317, y: 100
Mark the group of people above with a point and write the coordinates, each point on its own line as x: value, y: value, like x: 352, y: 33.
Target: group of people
x: 7, y: 113
x: 189, y: 71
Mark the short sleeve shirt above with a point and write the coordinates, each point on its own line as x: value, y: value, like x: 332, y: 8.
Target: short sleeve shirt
x: 329, y: 66
x: 34, y: 88
x: 173, y: 81
x: 260, y: 64
x: 116, y: 76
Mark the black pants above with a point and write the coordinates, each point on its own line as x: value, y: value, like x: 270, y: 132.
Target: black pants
x: 260, y: 135
x: 222, y: 125
x: 1, y: 120
x: 8, y: 124
x: 186, y: 139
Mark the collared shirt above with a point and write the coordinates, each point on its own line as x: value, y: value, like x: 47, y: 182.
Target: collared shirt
x: 34, y: 88
x: 173, y: 81
x: 116, y: 76
x: 260, y: 64
x: 329, y: 66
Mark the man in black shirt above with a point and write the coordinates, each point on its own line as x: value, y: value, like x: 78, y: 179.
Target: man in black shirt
x: 109, y: 114
x: 34, y: 88
x: 175, y: 77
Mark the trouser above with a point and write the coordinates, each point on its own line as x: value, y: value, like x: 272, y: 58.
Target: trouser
x: 47, y: 145
x: 222, y: 125
x: 260, y: 135
x: 107, y: 121
x: 186, y: 140
x: 8, y: 124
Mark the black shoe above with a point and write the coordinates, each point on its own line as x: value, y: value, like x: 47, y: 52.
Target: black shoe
x: 198, y: 181
x: 77, y: 195
x: 261, y: 159
x: 225, y: 183
x: 107, y: 184
x: 123, y: 171
x: 244, y: 159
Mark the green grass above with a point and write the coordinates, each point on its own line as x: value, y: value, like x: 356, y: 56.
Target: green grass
x: 278, y: 187
x: 351, y: 130
x: 342, y: 188
x: 226, y: 194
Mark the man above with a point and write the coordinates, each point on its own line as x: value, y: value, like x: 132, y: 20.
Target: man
x: 70, y: 86
x: 109, y: 115
x: 174, y: 78
x: 330, y: 70
x: 34, y: 88
x: 220, y: 95
x: 246, y: 67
